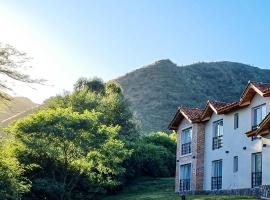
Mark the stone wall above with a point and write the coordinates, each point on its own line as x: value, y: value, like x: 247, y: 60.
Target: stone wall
x: 199, y: 157
x: 262, y: 191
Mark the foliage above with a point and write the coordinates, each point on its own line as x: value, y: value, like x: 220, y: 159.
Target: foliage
x: 12, y: 62
x: 12, y: 182
x: 68, y: 148
x: 157, y: 90
x: 153, y: 155
x: 105, y: 98
x: 93, y: 85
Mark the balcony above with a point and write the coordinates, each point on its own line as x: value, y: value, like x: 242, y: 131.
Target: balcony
x: 217, y: 142
x: 216, y: 183
x: 256, y: 179
x: 184, y: 185
x: 186, y: 148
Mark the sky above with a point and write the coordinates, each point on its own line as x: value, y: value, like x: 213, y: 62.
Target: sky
x: 68, y: 39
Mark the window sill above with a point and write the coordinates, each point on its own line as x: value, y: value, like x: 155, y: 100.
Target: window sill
x: 182, y: 156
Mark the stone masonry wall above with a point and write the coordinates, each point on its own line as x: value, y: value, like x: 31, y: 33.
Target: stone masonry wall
x: 196, y: 158
x: 199, y: 127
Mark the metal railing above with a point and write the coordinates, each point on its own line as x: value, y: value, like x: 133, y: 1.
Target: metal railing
x: 217, y: 142
x: 256, y: 179
x: 184, y: 185
x: 216, y: 183
x: 186, y: 148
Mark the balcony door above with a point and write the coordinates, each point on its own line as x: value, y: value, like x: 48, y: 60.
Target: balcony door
x: 256, y: 175
x: 216, y: 180
x: 185, y: 177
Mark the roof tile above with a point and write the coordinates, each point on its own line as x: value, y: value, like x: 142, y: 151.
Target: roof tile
x: 194, y: 114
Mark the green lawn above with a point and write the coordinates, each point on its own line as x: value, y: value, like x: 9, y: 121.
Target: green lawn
x: 159, y: 189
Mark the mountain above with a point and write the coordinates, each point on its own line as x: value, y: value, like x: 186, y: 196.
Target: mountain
x: 15, y: 109
x: 156, y: 90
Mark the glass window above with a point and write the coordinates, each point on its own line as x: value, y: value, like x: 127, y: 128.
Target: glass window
x: 186, y: 136
x: 186, y: 141
x: 218, y: 128
x: 216, y: 180
x: 185, y: 176
x: 257, y: 162
x: 217, y: 168
x: 256, y: 175
x: 236, y: 120
x: 217, y: 135
x: 185, y: 171
x: 259, y: 114
x: 235, y: 163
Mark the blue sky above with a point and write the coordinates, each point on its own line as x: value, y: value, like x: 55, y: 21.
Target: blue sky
x: 70, y: 39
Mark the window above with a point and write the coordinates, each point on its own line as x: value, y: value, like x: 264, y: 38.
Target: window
x: 256, y: 175
x: 236, y: 121
x: 185, y: 176
x: 235, y: 164
x: 216, y: 180
x: 258, y: 114
x: 186, y: 141
x: 218, y: 134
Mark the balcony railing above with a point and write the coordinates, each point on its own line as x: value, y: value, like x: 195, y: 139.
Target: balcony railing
x: 184, y: 185
x: 216, y: 182
x: 256, y: 179
x: 217, y: 142
x: 186, y: 148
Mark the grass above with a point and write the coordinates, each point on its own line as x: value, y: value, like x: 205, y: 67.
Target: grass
x: 160, y: 189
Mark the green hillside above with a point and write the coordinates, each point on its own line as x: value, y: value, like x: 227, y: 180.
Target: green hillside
x: 155, y: 91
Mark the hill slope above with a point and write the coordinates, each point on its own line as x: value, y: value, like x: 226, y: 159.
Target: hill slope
x: 17, y: 108
x: 155, y: 91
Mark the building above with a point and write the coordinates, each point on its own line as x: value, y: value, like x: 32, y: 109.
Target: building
x: 225, y: 148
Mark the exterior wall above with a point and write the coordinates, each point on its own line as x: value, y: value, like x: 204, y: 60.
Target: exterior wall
x: 233, y: 141
x: 196, y: 157
x: 181, y: 160
x: 266, y: 160
x: 199, y: 155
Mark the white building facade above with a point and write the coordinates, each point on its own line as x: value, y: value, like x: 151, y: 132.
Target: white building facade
x: 233, y: 150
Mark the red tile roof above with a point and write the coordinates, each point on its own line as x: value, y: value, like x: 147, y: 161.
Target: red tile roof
x: 263, y: 87
x: 193, y: 114
x: 218, y: 104
x: 199, y: 115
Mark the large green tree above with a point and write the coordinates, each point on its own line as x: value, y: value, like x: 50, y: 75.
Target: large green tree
x: 106, y: 98
x: 70, y: 148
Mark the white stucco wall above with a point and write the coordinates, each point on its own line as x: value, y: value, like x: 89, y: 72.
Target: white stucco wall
x: 186, y: 159
x: 266, y: 160
x: 233, y: 141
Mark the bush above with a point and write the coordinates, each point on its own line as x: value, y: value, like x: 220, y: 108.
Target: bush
x: 153, y: 155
